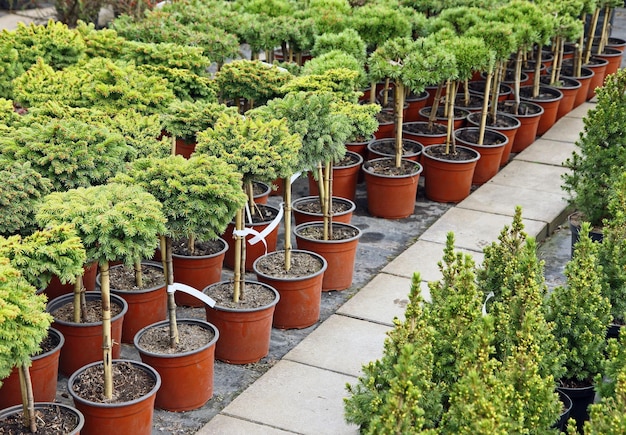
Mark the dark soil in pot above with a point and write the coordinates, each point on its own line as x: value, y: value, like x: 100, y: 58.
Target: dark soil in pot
x: 500, y: 122
x: 339, y: 232
x: 337, y: 205
x: 302, y: 264
x: 93, y: 313
x: 51, y: 420
x: 123, y: 277
x: 50, y: 342
x: 180, y: 247
x: 385, y: 117
x: 253, y: 296
x: 545, y: 93
x: 129, y: 383
x: 458, y: 112
x: 424, y: 128
x: 439, y: 151
x: 190, y: 337
x: 472, y: 135
x: 388, y: 167
x: 523, y: 109
x: 388, y: 147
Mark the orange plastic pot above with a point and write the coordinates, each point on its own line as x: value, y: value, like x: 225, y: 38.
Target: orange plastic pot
x: 385, y: 129
x: 490, y: 153
x: 391, y: 196
x: 415, y: 102
x: 598, y: 66
x: 185, y: 147
x: 197, y: 272
x: 585, y: 81
x: 459, y: 116
x: 570, y: 90
x: 83, y: 341
x: 339, y: 254
x: 131, y: 417
x: 56, y: 289
x: 59, y: 409
x: 345, y: 178
x: 186, y: 377
x: 614, y: 58
x: 510, y: 131
x: 550, y: 105
x: 43, y: 371
x: 301, y: 216
x: 411, y: 149
x: 145, y: 306
x: 244, y: 333
x: 412, y: 131
x: 300, y: 297
x: 529, y: 115
x: 448, y: 180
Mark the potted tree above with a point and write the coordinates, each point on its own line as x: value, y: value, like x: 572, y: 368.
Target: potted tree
x: 115, y: 222
x: 581, y: 314
x: 189, y: 190
x: 24, y: 327
x: 259, y: 150
x: 598, y: 160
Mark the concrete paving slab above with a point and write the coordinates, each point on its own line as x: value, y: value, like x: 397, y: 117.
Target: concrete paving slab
x: 422, y: 257
x: 543, y: 206
x: 341, y: 344
x: 224, y: 424
x: 296, y: 397
x: 473, y: 230
x: 549, y: 152
x: 382, y: 299
x: 540, y: 177
x: 581, y: 111
x: 10, y: 21
x: 566, y: 129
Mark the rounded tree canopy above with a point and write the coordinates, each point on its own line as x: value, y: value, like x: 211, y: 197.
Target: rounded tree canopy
x: 185, y: 118
x: 115, y: 222
x: 471, y: 54
x: 347, y: 41
x: 199, y: 195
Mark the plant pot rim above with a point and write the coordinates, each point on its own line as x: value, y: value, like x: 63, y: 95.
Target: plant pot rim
x: 267, y: 188
x: 63, y: 299
x: 608, y: 51
x: 443, y: 134
x: 425, y: 111
x: 138, y: 291
x: 19, y: 408
x: 557, y: 94
x: 537, y: 107
x: 199, y: 322
x: 317, y: 224
x: 287, y: 278
x: 599, y: 62
x: 253, y: 224
x: 393, y: 141
x: 589, y: 74
x: 313, y: 198
x: 145, y: 367
x: 202, y: 257
x: 568, y: 83
x: 476, y: 153
x: 419, y: 168
x: 354, y: 154
x: 61, y: 337
x: 506, y: 115
x: 365, y: 142
x: 502, y: 136
x: 244, y: 310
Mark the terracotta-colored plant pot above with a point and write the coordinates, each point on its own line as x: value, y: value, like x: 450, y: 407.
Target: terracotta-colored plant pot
x: 185, y: 147
x: 264, y: 194
x: 411, y: 149
x: 490, y: 152
x: 613, y: 56
x: 345, y: 178
x: 278, y: 187
x: 459, y: 116
x: 300, y: 297
x: 616, y: 43
x: 598, y: 66
x: 197, y: 272
x: 478, y: 88
x: 301, y: 215
x: 145, y: 306
x: 529, y: 115
x: 385, y: 129
x: 585, y: 80
x: 449, y: 180
x: 339, y: 254
x: 83, y: 341
x: 432, y: 91
x: 412, y: 131
x: 507, y: 124
x: 391, y: 196
x: 549, y: 103
x: 359, y: 147
x: 60, y: 409
x: 43, y: 373
x: 187, y: 377
x: 252, y: 251
x: 131, y: 417
x: 569, y: 89
x: 244, y: 333
x: 56, y: 289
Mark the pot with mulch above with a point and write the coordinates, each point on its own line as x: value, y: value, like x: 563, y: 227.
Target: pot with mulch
x: 245, y: 326
x: 478, y: 88
x: 412, y: 103
x: 504, y: 123
x: 308, y: 209
x: 345, y: 177
x: 263, y: 217
x: 411, y: 149
x: 585, y: 78
x: 529, y: 115
x: 52, y: 418
x: 186, y: 369
x: 459, y: 116
x: 448, y: 174
x: 147, y: 302
x: 55, y: 288
x: 135, y: 385
x: 198, y: 270
x: 391, y: 190
x: 424, y: 132
x: 569, y: 87
x: 613, y: 56
x: 339, y: 250
x: 598, y: 66
x: 549, y: 98
x: 43, y: 372
x: 490, y: 150
x: 83, y: 341
x: 261, y: 192
x: 386, y: 125
x: 300, y: 287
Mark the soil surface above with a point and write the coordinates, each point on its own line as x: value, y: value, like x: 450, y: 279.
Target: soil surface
x: 500, y: 122
x: 439, y: 151
x: 313, y: 206
x: 472, y: 136
x: 385, y: 117
x: 48, y: 344
x: 253, y: 295
x: 190, y: 337
x: 52, y: 420
x: 316, y: 232
x: 92, y: 314
x: 388, y: 167
x: 424, y: 128
x: 129, y: 383
x: 388, y: 147
x: 181, y: 247
x: 302, y: 264
x: 524, y: 109
x: 123, y: 278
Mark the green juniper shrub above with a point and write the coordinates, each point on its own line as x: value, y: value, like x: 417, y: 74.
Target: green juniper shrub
x: 184, y: 119
x: 348, y: 41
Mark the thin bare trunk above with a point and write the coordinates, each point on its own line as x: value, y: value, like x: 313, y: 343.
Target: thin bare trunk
x: 399, y: 119
x: 483, y: 117
x: 287, y: 201
x: 107, y: 356
x: 138, y: 274
x: 78, y: 289
x: 168, y: 270
x: 591, y: 34
x: 28, y: 399
x: 238, y: 278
